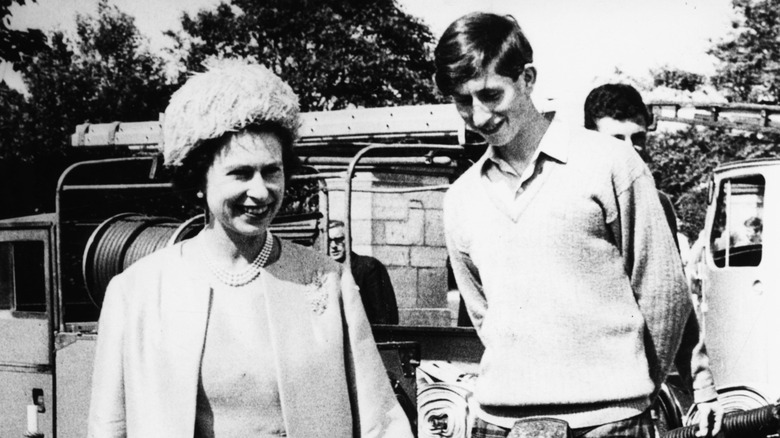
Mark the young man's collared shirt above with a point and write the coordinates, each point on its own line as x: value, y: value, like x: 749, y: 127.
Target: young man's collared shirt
x: 510, y: 191
x: 506, y: 184
x: 562, y: 281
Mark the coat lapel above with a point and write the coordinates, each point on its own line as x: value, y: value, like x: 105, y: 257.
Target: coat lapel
x: 304, y: 315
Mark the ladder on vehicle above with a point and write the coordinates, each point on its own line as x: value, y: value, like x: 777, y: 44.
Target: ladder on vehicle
x: 739, y: 116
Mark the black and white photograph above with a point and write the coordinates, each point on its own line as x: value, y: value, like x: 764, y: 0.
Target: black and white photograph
x: 389, y: 218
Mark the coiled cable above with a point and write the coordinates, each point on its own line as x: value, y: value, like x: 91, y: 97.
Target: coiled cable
x: 760, y: 422
x: 121, y: 240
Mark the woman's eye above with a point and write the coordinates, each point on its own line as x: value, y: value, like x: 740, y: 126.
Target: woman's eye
x: 272, y: 171
x: 240, y: 173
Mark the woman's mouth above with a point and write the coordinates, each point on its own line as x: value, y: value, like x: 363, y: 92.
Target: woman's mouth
x: 251, y: 210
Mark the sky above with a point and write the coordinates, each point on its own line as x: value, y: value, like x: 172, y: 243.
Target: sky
x: 578, y: 44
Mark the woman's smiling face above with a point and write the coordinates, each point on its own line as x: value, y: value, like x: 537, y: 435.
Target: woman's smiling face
x: 245, y: 183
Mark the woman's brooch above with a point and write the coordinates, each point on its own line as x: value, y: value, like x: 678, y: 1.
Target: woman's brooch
x: 317, y: 292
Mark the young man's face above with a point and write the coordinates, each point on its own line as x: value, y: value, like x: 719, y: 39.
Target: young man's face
x: 495, y: 106
x: 632, y: 131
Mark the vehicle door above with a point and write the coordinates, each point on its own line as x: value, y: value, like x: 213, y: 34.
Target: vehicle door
x: 26, y: 370
x: 739, y: 287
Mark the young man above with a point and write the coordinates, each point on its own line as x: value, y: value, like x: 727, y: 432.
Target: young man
x: 555, y: 239
x: 371, y: 277
x: 619, y: 111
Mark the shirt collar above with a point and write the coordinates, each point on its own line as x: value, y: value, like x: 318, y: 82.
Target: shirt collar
x: 554, y: 145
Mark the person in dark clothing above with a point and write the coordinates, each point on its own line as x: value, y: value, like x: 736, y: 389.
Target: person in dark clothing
x: 376, y: 289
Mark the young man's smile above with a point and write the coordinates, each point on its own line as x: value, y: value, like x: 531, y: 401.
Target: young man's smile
x: 496, y: 106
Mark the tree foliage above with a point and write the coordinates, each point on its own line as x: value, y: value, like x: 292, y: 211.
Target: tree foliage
x: 333, y: 53
x: 677, y: 79
x: 16, y: 44
x: 750, y: 67
x: 104, y: 74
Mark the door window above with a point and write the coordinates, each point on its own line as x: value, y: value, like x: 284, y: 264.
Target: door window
x: 736, y: 235
x: 22, y: 276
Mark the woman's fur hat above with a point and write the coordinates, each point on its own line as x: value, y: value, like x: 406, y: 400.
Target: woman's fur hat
x: 227, y: 97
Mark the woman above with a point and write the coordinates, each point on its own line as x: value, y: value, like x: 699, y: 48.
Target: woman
x: 236, y: 332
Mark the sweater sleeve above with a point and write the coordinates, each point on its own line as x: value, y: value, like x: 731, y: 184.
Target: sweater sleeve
x: 653, y: 264
x: 692, y: 361
x: 463, y: 268
x: 107, y: 407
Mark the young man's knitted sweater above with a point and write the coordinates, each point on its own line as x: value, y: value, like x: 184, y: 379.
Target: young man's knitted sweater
x: 576, y: 289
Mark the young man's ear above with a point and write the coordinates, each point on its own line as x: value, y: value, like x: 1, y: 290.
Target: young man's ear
x: 528, y: 75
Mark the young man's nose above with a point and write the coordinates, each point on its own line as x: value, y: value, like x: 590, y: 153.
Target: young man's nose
x: 480, y: 115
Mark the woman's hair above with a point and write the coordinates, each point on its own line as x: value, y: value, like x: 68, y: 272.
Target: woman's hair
x: 232, y: 95
x: 618, y: 101
x: 475, y: 41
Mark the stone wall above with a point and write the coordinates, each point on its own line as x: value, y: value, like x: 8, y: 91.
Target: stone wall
x: 405, y: 232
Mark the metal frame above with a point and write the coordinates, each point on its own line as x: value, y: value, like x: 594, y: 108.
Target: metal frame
x: 718, y: 114
x: 427, y: 159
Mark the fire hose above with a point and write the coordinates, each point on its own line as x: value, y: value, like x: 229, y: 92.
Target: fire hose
x: 761, y: 422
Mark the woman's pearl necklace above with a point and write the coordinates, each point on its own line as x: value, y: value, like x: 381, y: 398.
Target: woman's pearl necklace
x: 247, y: 275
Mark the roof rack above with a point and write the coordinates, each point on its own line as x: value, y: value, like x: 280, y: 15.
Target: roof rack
x: 742, y: 116
x: 363, y: 124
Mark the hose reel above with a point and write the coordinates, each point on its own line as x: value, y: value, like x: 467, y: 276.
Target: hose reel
x: 121, y: 240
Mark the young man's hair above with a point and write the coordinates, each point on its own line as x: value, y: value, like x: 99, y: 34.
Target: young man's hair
x: 475, y: 41
x: 619, y: 101
x: 335, y: 223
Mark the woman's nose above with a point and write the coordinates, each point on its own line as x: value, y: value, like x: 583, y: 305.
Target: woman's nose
x: 258, y: 188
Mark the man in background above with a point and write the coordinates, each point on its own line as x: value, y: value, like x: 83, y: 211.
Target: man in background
x: 371, y: 277
x: 619, y: 111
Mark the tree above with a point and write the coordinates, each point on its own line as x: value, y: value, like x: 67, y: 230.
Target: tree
x: 16, y: 44
x: 750, y: 68
x: 683, y: 160
x: 333, y: 53
x: 677, y: 79
x: 105, y: 73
